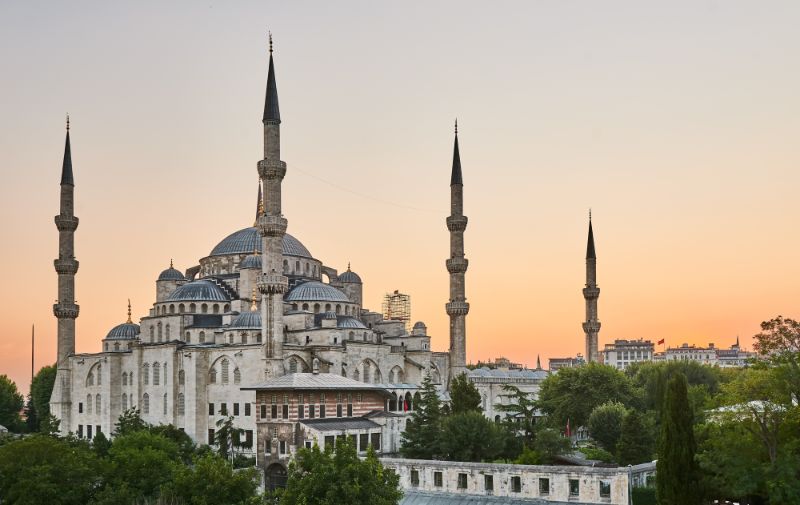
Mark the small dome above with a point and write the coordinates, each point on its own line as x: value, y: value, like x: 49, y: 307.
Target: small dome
x: 124, y: 331
x: 350, y: 276
x: 247, y: 320
x: 350, y: 322
x: 247, y: 240
x: 252, y: 261
x: 329, y: 315
x: 171, y: 274
x: 419, y: 324
x: 203, y: 290
x: 314, y: 291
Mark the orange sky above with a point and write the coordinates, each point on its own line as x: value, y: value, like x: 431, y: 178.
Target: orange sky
x: 677, y: 124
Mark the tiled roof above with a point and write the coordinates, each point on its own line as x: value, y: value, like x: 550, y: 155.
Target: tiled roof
x: 201, y: 290
x: 507, y: 374
x: 248, y: 240
x: 124, y: 331
x: 314, y: 291
x: 341, y: 424
x: 315, y: 381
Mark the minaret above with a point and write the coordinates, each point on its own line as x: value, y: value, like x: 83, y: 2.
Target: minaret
x: 272, y: 226
x: 65, y: 308
x: 591, y: 293
x: 457, y: 308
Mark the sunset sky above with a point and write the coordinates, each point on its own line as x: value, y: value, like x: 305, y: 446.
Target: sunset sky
x: 677, y: 123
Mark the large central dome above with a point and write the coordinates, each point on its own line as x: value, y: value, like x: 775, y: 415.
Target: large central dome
x: 248, y: 240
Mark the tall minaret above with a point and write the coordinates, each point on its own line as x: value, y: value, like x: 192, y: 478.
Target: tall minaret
x: 457, y: 307
x: 65, y: 308
x: 591, y: 293
x: 272, y: 226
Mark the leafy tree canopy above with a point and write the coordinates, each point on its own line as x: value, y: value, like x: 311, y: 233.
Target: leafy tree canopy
x: 470, y: 436
x: 464, y: 396
x: 605, y: 424
x: 41, y: 390
x: 11, y: 403
x: 422, y: 434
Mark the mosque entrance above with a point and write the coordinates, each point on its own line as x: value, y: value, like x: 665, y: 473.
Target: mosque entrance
x: 276, y: 476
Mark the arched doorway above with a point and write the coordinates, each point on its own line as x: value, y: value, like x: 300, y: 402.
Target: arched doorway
x: 276, y: 476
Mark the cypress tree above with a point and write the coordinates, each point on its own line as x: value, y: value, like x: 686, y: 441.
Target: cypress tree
x: 421, y: 437
x: 677, y: 481
x: 635, y: 442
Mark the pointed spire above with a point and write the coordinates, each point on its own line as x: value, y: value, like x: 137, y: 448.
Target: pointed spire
x: 170, y: 263
x: 538, y: 363
x: 590, y: 244
x: 455, y: 177
x: 271, y: 111
x: 348, y: 268
x: 66, y: 167
x: 129, y: 321
x: 259, y: 204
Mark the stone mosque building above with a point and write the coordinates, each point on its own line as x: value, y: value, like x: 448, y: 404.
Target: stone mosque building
x: 257, y: 307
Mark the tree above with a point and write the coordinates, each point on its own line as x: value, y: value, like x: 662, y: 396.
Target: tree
x: 421, y: 436
x: 41, y: 391
x: 129, y: 422
x: 211, y: 480
x: 464, y: 396
x: 339, y: 476
x: 779, y: 342
x: 605, y: 424
x: 522, y: 412
x: 549, y: 443
x: 572, y: 393
x: 101, y: 444
x: 141, y: 462
x: 11, y: 403
x: 40, y: 469
x: 50, y: 425
x: 469, y: 436
x: 677, y: 482
x: 651, y: 378
x: 227, y: 437
x: 635, y: 443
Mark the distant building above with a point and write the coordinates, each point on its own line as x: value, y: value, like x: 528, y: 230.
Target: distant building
x: 490, y: 384
x: 501, y: 363
x: 734, y: 357
x: 558, y: 363
x: 622, y: 353
x: 711, y: 355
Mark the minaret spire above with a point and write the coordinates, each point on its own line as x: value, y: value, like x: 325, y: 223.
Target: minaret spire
x: 272, y: 227
x: 591, y: 327
x: 129, y: 321
x: 259, y: 204
x: 457, y: 308
x: 65, y: 309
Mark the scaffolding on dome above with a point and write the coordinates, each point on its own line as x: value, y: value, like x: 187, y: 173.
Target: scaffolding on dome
x: 397, y: 307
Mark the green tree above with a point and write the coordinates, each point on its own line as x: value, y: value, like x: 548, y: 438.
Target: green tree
x: 340, y: 476
x: 469, y: 436
x: 186, y: 446
x: 605, y: 424
x: 572, y: 393
x: 549, y: 443
x: 41, y: 391
x: 227, y: 437
x: 11, y: 403
x: 40, y: 469
x: 635, y: 443
x: 50, y: 425
x: 141, y: 462
x: 101, y: 445
x: 521, y: 409
x: 677, y: 482
x: 464, y: 396
x: 651, y: 378
x: 421, y: 436
x: 129, y: 422
x: 211, y: 480
x: 779, y: 343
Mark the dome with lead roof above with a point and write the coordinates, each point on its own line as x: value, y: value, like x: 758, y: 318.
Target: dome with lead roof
x: 171, y: 274
x: 247, y: 320
x: 202, y: 290
x: 124, y: 331
x: 248, y: 240
x: 314, y: 291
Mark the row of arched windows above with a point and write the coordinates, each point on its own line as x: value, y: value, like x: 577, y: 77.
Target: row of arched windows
x: 90, y: 379
x: 304, y: 268
x: 97, y: 404
x: 156, y: 374
x: 224, y: 369
x: 146, y: 403
x: 317, y: 308
x: 165, y: 309
x: 127, y: 378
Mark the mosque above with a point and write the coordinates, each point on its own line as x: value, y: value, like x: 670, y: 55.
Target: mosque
x: 258, y: 306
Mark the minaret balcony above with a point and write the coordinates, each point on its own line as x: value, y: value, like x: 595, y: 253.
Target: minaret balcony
x: 271, y: 169
x: 457, y: 265
x: 272, y: 226
x: 66, y: 310
x: 457, y: 308
x: 66, y: 223
x: 271, y: 284
x: 457, y: 223
x: 66, y: 266
x: 591, y: 326
x: 591, y: 293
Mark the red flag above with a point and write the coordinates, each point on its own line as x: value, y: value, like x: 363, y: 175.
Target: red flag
x: 568, y: 432
x: 660, y: 342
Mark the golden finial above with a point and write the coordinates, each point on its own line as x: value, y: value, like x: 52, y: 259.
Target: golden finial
x: 348, y: 266
x: 170, y: 263
x: 67, y: 121
x: 129, y: 311
x: 270, y: 42
x: 253, y: 305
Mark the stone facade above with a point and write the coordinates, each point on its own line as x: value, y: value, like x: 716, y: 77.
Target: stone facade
x: 622, y: 353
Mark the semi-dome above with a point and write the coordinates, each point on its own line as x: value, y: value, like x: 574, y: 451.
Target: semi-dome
x: 350, y: 276
x: 350, y: 322
x: 248, y: 240
x: 252, y: 261
x: 314, y: 291
x: 247, y: 320
x: 124, y: 331
x: 171, y: 274
x: 329, y: 315
x: 203, y: 290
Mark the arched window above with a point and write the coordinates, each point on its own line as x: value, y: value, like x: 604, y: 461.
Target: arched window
x: 351, y: 336
x: 130, y: 381
x: 286, y: 266
x: 216, y: 308
x: 181, y: 404
x: 188, y: 337
x: 181, y: 308
x: 393, y: 402
x: 307, y: 268
x: 124, y: 379
x: 244, y: 337
x: 366, y: 372
x: 116, y: 346
x: 181, y: 378
x: 204, y: 308
x: 237, y: 376
x: 152, y: 334
x: 258, y: 338
x: 167, y: 332
x: 338, y: 309
x: 172, y: 308
x: 192, y: 307
x: 202, y: 337
x: 90, y: 379
x: 224, y: 371
x: 212, y: 376
x: 316, y: 308
x: 230, y: 338
x: 165, y: 403
x: 146, y: 403
x: 146, y: 373
x: 156, y: 373
x: 305, y: 306
x: 297, y: 267
x: 97, y: 404
x: 124, y: 401
x: 356, y: 375
x: 88, y: 404
x: 327, y: 307
x: 226, y: 308
x: 160, y: 332
x: 292, y: 365
x: 99, y: 375
x: 165, y: 374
